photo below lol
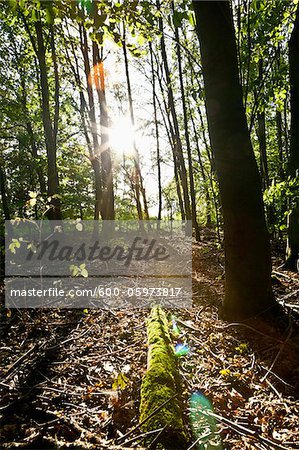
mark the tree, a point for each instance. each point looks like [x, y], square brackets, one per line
[187, 138]
[247, 249]
[293, 164]
[178, 155]
[50, 126]
[5, 203]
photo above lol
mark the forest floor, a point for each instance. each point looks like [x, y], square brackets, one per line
[71, 379]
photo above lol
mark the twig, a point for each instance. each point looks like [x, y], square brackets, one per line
[19, 360]
[278, 355]
[281, 274]
[285, 297]
[140, 436]
[147, 418]
[199, 439]
[244, 430]
[276, 376]
[156, 439]
[234, 324]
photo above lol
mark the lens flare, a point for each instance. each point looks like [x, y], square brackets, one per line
[181, 350]
[203, 425]
[121, 136]
[175, 329]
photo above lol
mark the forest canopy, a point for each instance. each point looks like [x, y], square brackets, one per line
[103, 116]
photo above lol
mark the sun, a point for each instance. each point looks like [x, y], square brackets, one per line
[122, 136]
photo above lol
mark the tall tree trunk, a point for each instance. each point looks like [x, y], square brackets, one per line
[280, 144]
[262, 139]
[5, 203]
[171, 140]
[210, 156]
[247, 249]
[187, 138]
[204, 178]
[95, 153]
[107, 204]
[157, 135]
[137, 177]
[279, 123]
[261, 135]
[37, 166]
[169, 132]
[177, 143]
[293, 164]
[49, 131]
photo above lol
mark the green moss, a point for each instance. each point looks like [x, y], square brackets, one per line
[161, 383]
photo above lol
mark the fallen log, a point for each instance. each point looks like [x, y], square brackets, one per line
[161, 405]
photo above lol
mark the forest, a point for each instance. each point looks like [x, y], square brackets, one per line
[173, 115]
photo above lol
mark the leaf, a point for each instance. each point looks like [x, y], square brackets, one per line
[191, 18]
[79, 226]
[12, 248]
[141, 39]
[32, 202]
[120, 381]
[49, 15]
[31, 247]
[178, 18]
[225, 372]
[84, 273]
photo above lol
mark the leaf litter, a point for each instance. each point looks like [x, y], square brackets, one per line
[71, 378]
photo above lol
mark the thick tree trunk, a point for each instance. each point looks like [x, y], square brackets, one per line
[293, 165]
[247, 250]
[49, 130]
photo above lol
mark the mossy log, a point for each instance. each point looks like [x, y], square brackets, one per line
[161, 386]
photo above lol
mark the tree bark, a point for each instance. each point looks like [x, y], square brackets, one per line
[293, 164]
[107, 204]
[171, 140]
[169, 133]
[157, 135]
[187, 137]
[177, 142]
[280, 144]
[247, 249]
[5, 203]
[49, 130]
[94, 153]
[137, 177]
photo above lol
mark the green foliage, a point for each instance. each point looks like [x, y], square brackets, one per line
[283, 196]
[15, 243]
[120, 382]
[79, 271]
